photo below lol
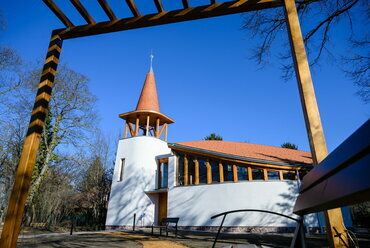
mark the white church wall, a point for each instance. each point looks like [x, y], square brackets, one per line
[139, 175]
[197, 203]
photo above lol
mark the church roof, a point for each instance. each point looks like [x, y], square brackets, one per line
[149, 98]
[251, 151]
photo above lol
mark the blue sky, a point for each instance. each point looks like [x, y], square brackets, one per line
[206, 81]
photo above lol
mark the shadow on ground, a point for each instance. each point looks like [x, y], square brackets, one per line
[84, 240]
[187, 238]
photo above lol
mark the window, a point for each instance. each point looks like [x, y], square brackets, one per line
[202, 171]
[257, 174]
[242, 173]
[180, 169]
[228, 173]
[191, 170]
[163, 173]
[289, 175]
[215, 171]
[273, 175]
[302, 174]
[120, 170]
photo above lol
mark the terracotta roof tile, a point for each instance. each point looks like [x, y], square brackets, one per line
[255, 151]
[148, 98]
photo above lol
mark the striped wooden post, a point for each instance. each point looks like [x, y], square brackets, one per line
[27, 160]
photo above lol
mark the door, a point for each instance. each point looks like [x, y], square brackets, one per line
[162, 206]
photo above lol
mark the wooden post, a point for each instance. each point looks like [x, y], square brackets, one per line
[126, 130]
[186, 170]
[209, 172]
[162, 129]
[333, 217]
[265, 177]
[147, 126]
[221, 172]
[235, 173]
[250, 174]
[281, 178]
[157, 128]
[13, 220]
[196, 171]
[131, 128]
[137, 126]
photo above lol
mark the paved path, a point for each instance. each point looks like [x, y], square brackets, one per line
[95, 240]
[148, 242]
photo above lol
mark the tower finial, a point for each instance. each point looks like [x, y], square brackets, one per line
[151, 61]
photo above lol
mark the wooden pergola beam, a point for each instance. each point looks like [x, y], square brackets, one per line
[133, 8]
[333, 217]
[83, 12]
[158, 5]
[200, 12]
[62, 17]
[185, 3]
[108, 11]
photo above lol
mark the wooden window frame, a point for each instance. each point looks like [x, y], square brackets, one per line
[159, 177]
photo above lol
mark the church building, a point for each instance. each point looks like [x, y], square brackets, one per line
[195, 180]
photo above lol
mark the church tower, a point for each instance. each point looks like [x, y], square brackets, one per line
[147, 119]
[140, 179]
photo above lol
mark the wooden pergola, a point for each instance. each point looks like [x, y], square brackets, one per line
[315, 133]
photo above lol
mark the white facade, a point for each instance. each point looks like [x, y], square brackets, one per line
[195, 205]
[128, 195]
[135, 178]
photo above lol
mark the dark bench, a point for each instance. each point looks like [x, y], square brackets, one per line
[165, 224]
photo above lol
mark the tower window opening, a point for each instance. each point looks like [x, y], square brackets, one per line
[121, 168]
[163, 173]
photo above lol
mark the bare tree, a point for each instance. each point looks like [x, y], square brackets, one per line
[358, 68]
[11, 142]
[321, 20]
[10, 65]
[71, 116]
[95, 183]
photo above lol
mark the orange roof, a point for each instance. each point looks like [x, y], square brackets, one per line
[254, 151]
[148, 98]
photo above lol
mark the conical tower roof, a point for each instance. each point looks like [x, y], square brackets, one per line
[148, 104]
[149, 98]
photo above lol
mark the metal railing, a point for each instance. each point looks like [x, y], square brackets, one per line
[299, 236]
